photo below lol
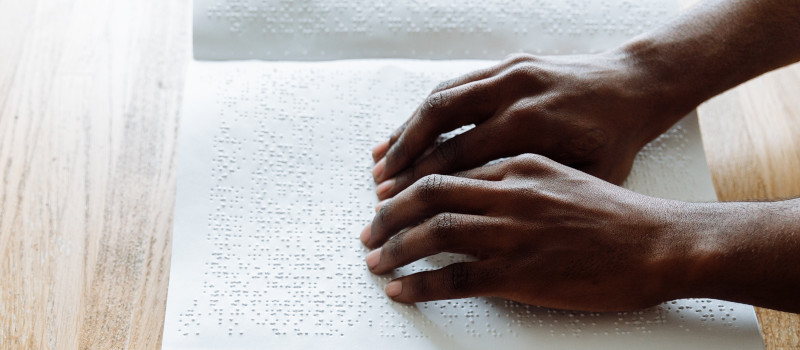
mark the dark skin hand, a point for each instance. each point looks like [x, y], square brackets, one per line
[583, 111]
[592, 112]
[548, 235]
[547, 229]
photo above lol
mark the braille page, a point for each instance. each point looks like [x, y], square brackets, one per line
[441, 29]
[274, 187]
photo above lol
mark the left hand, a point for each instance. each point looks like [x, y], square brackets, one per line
[544, 234]
[591, 112]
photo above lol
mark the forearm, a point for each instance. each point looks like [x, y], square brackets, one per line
[746, 252]
[713, 47]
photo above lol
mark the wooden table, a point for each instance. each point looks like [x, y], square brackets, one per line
[90, 92]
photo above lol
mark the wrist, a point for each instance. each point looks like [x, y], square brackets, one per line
[689, 250]
[659, 75]
[654, 84]
[704, 248]
[744, 252]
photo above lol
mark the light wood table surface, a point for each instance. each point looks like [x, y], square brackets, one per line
[90, 94]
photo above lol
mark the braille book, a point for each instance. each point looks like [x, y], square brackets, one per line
[281, 109]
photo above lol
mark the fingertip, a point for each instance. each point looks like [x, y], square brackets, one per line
[380, 205]
[366, 233]
[380, 150]
[384, 187]
[373, 259]
[378, 170]
[394, 288]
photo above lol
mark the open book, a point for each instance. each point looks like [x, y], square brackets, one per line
[274, 179]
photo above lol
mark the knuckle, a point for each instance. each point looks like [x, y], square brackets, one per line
[443, 86]
[521, 72]
[517, 58]
[528, 74]
[524, 110]
[521, 164]
[436, 102]
[528, 164]
[430, 186]
[443, 226]
[530, 159]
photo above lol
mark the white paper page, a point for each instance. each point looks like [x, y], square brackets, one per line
[301, 30]
[274, 187]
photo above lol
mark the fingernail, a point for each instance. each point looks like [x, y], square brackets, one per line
[394, 288]
[380, 150]
[377, 171]
[384, 187]
[380, 205]
[373, 258]
[366, 233]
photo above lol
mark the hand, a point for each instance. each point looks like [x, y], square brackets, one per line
[544, 234]
[592, 112]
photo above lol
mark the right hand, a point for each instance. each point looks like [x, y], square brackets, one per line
[543, 234]
[591, 112]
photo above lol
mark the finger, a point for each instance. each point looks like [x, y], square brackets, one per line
[470, 77]
[429, 196]
[485, 73]
[489, 172]
[528, 165]
[380, 150]
[472, 148]
[445, 232]
[441, 112]
[459, 280]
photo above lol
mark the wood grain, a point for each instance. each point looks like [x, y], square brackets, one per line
[89, 100]
[90, 94]
[751, 136]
